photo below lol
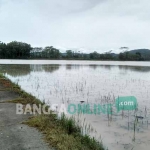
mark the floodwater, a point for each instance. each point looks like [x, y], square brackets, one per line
[92, 82]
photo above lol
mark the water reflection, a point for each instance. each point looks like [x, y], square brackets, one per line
[15, 70]
[108, 67]
[135, 68]
[68, 67]
[46, 68]
[73, 66]
[93, 66]
[23, 70]
[51, 68]
[122, 68]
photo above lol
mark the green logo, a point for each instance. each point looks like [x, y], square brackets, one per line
[126, 103]
[121, 103]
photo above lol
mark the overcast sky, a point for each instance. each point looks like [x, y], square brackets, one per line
[86, 25]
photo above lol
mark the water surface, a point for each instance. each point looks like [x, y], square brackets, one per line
[94, 82]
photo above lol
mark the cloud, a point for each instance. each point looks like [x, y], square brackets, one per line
[82, 24]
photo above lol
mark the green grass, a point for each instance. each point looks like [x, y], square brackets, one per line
[63, 134]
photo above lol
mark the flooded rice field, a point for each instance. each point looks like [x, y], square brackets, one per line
[92, 82]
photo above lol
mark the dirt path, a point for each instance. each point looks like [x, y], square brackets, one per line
[13, 134]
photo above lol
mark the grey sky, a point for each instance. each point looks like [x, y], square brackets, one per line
[86, 25]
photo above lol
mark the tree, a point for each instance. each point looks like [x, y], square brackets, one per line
[51, 52]
[3, 50]
[36, 52]
[138, 56]
[18, 50]
[121, 56]
[94, 55]
[69, 53]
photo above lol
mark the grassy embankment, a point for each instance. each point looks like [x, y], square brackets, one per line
[63, 134]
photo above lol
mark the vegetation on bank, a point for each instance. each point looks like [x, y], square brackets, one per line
[20, 50]
[62, 133]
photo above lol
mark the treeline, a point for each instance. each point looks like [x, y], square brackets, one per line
[130, 57]
[49, 52]
[124, 56]
[15, 50]
[20, 50]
